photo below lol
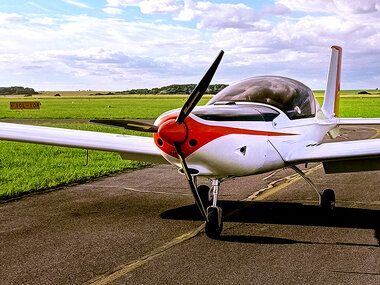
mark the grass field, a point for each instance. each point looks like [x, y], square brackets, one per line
[28, 168]
[148, 107]
[350, 93]
[84, 107]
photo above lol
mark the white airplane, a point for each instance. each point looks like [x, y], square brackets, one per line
[257, 125]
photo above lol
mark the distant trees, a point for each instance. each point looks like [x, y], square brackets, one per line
[170, 89]
[175, 89]
[14, 90]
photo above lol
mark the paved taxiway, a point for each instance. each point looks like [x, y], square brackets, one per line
[142, 228]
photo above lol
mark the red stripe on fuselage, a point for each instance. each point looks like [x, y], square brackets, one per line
[203, 134]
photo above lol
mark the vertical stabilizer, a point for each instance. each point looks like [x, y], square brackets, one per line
[330, 106]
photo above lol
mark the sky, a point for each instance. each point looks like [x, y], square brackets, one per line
[126, 44]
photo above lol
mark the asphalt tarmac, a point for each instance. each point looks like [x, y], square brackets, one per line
[141, 227]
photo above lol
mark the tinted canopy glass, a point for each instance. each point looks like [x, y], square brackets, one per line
[236, 113]
[289, 95]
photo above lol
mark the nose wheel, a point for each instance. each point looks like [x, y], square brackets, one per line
[214, 221]
[214, 225]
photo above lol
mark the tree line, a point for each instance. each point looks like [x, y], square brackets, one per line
[174, 89]
[17, 90]
[170, 89]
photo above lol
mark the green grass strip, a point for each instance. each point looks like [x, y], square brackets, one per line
[26, 168]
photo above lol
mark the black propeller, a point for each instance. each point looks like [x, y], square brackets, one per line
[199, 90]
[189, 105]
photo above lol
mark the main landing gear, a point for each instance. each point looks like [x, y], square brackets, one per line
[209, 198]
[326, 199]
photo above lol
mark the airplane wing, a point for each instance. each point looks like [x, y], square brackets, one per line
[129, 147]
[358, 121]
[340, 157]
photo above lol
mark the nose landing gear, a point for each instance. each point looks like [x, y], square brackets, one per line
[214, 225]
[214, 222]
[214, 217]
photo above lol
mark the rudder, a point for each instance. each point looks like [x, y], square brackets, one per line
[330, 106]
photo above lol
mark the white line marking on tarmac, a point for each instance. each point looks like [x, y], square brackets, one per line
[377, 135]
[279, 184]
[124, 269]
[139, 191]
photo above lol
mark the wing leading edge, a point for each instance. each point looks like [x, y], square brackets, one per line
[358, 121]
[340, 157]
[129, 147]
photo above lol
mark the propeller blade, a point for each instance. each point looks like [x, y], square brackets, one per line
[199, 90]
[129, 125]
[191, 182]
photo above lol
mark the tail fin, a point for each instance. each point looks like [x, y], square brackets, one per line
[330, 106]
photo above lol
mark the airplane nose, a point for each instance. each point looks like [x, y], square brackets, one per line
[172, 132]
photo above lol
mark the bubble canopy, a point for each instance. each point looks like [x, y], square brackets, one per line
[294, 98]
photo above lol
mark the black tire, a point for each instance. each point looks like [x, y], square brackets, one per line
[214, 225]
[328, 201]
[204, 192]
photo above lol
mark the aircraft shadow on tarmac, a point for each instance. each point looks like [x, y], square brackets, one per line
[283, 213]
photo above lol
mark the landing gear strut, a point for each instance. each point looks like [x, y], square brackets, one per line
[326, 199]
[214, 222]
[206, 201]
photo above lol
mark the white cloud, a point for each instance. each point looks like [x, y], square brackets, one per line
[112, 11]
[218, 16]
[226, 16]
[83, 52]
[188, 12]
[333, 6]
[9, 18]
[77, 3]
[151, 6]
[299, 47]
[147, 6]
[124, 55]
[42, 21]
[277, 9]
